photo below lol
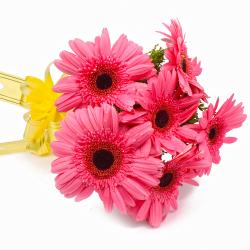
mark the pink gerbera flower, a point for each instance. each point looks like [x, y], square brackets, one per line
[95, 154]
[163, 197]
[165, 112]
[178, 59]
[214, 125]
[100, 73]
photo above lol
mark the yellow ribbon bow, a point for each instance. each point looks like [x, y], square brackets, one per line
[43, 120]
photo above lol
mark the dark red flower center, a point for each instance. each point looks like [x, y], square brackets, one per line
[137, 106]
[104, 81]
[215, 132]
[166, 179]
[184, 65]
[161, 118]
[212, 133]
[103, 159]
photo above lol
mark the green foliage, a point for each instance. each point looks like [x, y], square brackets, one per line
[202, 106]
[193, 119]
[157, 56]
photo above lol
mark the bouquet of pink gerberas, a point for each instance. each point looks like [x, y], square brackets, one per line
[128, 110]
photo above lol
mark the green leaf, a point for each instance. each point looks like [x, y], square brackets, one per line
[193, 119]
[202, 106]
[157, 56]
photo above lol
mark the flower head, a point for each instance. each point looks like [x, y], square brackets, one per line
[163, 197]
[187, 68]
[214, 126]
[165, 112]
[96, 154]
[99, 72]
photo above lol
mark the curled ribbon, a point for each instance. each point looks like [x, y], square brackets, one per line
[42, 120]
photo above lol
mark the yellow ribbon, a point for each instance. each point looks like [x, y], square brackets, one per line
[43, 120]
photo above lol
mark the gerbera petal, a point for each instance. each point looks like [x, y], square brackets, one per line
[73, 193]
[107, 199]
[187, 114]
[114, 120]
[65, 135]
[110, 118]
[173, 203]
[145, 178]
[67, 102]
[71, 186]
[216, 157]
[229, 140]
[82, 49]
[73, 125]
[190, 101]
[120, 45]
[126, 197]
[84, 194]
[156, 146]
[184, 84]
[105, 47]
[203, 123]
[67, 84]
[65, 177]
[66, 67]
[138, 71]
[187, 133]
[60, 165]
[145, 149]
[70, 58]
[125, 102]
[173, 144]
[191, 182]
[126, 117]
[144, 210]
[135, 189]
[148, 165]
[118, 200]
[61, 149]
[139, 134]
[93, 117]
[132, 51]
[138, 59]
[155, 216]
[167, 82]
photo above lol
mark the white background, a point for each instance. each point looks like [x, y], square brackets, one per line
[34, 215]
